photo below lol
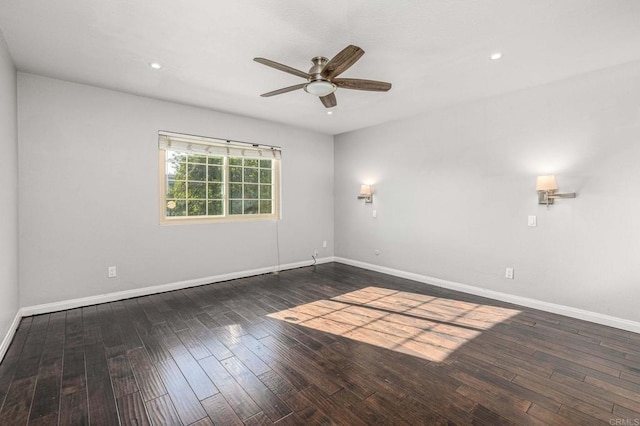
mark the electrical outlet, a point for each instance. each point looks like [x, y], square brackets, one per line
[316, 253]
[508, 273]
[324, 244]
[111, 272]
[377, 252]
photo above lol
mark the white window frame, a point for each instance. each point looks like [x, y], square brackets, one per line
[218, 148]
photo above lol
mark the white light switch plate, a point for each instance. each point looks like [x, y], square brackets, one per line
[508, 273]
[532, 221]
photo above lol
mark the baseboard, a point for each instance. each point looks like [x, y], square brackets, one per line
[145, 291]
[582, 314]
[9, 336]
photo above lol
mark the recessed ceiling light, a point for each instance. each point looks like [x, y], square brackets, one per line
[155, 65]
[329, 112]
[495, 56]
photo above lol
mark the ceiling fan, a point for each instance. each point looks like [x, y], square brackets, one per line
[321, 78]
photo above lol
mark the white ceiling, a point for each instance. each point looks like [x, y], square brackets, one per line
[434, 52]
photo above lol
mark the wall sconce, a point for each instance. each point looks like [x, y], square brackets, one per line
[365, 192]
[547, 187]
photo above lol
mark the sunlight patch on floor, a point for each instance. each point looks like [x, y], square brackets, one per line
[415, 324]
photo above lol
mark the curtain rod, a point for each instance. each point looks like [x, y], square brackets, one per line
[207, 138]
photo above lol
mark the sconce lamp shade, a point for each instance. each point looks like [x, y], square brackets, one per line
[546, 183]
[365, 190]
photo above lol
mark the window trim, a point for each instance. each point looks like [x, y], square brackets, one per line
[180, 220]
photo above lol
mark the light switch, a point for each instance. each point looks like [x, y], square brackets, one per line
[532, 221]
[374, 214]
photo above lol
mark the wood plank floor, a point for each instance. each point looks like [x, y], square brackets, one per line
[331, 344]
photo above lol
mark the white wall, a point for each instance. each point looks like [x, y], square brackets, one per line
[89, 194]
[453, 189]
[8, 192]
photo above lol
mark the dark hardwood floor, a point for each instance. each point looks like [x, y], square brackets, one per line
[326, 345]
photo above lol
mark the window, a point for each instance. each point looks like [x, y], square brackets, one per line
[208, 180]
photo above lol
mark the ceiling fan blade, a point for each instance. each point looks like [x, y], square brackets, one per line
[342, 61]
[359, 84]
[283, 90]
[282, 67]
[329, 100]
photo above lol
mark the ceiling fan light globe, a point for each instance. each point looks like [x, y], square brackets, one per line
[320, 88]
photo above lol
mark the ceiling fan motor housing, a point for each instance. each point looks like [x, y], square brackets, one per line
[318, 65]
[318, 85]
